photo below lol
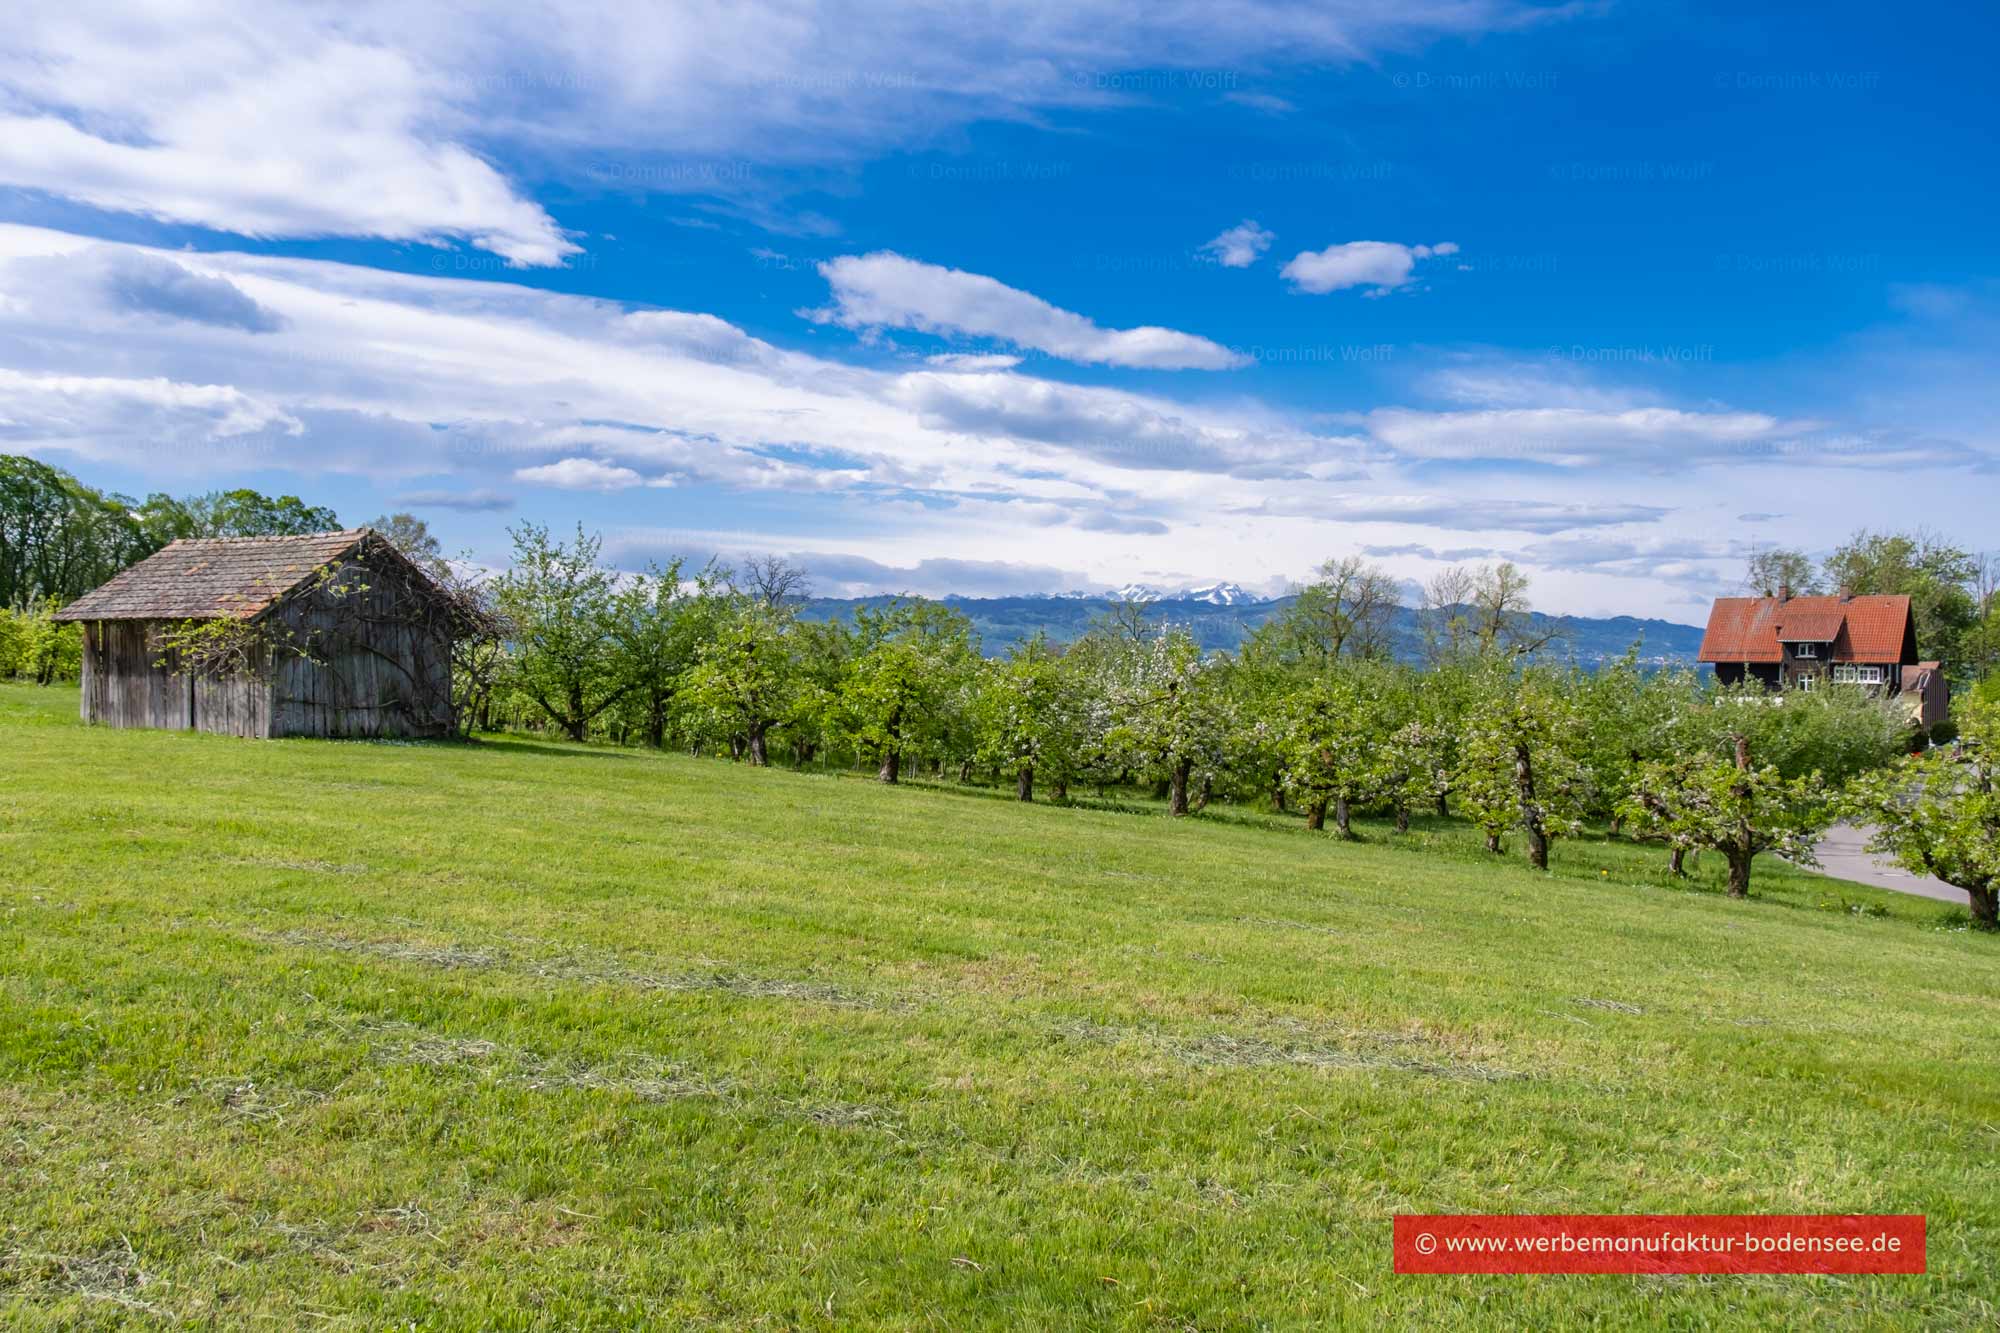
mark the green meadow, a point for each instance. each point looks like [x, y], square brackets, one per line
[517, 1034]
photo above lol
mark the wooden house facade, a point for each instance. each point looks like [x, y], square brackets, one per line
[331, 634]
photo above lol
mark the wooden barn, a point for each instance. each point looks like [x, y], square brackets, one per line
[328, 634]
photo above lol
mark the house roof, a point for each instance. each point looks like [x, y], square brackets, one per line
[209, 578]
[1794, 626]
[1875, 628]
[1918, 678]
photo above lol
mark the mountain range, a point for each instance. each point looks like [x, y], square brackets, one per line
[1221, 616]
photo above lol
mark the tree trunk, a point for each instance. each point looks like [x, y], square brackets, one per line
[1402, 819]
[1316, 815]
[758, 759]
[1024, 783]
[1677, 863]
[1739, 871]
[1443, 810]
[1531, 815]
[1984, 906]
[1177, 785]
[1061, 793]
[1617, 825]
[1277, 798]
[1739, 855]
[1341, 817]
[1207, 790]
[1493, 843]
[736, 748]
[892, 763]
[964, 770]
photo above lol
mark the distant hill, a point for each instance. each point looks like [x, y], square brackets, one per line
[1004, 621]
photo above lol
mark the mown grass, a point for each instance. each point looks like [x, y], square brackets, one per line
[522, 1035]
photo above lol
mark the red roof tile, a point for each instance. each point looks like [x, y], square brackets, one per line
[1861, 629]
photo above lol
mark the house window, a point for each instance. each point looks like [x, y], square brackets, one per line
[1850, 674]
[1804, 682]
[1805, 650]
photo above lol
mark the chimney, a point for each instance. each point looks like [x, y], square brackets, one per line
[1846, 594]
[1784, 592]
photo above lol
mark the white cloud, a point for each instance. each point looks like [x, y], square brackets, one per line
[1579, 437]
[97, 413]
[444, 388]
[885, 290]
[262, 123]
[381, 119]
[579, 474]
[1241, 245]
[1468, 513]
[1382, 266]
[973, 361]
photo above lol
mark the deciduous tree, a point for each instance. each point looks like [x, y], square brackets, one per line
[1938, 813]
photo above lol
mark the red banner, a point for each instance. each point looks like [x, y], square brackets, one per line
[1553, 1243]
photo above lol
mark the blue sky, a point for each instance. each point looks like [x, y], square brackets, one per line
[1015, 298]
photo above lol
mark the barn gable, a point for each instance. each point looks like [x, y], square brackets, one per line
[345, 637]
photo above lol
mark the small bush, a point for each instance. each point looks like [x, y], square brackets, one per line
[1944, 732]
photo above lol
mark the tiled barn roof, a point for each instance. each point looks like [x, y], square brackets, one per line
[1861, 629]
[206, 578]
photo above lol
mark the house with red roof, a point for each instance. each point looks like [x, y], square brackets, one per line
[1789, 642]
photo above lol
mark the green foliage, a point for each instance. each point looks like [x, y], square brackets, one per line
[561, 605]
[1938, 813]
[246, 513]
[59, 538]
[746, 677]
[1521, 758]
[1699, 801]
[1332, 734]
[413, 537]
[1346, 611]
[1031, 719]
[1172, 711]
[35, 646]
[906, 681]
[1936, 576]
[658, 626]
[1777, 568]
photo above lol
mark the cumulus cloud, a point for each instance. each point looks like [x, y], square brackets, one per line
[579, 474]
[1125, 429]
[1381, 266]
[405, 382]
[296, 126]
[115, 282]
[408, 108]
[885, 290]
[1241, 245]
[1579, 437]
[97, 412]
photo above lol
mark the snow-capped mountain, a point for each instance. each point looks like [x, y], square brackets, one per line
[1215, 594]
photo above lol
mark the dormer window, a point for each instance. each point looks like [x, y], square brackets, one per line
[1805, 650]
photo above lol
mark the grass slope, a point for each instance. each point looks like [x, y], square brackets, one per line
[520, 1035]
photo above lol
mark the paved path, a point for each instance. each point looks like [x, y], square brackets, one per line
[1841, 855]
